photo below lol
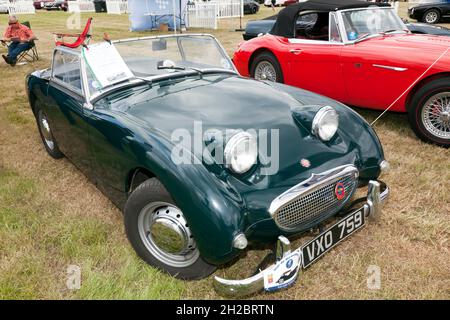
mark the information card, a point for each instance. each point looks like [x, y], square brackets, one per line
[106, 64]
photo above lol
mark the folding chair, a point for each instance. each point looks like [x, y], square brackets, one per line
[81, 38]
[31, 54]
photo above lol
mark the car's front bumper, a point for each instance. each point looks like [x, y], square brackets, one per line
[377, 195]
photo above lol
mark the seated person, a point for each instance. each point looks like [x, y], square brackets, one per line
[19, 36]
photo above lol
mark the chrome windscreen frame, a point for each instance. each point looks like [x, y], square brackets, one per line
[341, 24]
[90, 98]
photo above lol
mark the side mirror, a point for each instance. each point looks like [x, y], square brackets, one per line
[159, 45]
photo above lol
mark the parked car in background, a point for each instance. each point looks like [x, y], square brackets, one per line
[56, 5]
[358, 62]
[278, 3]
[190, 208]
[251, 6]
[40, 4]
[430, 12]
[289, 2]
[425, 28]
[4, 6]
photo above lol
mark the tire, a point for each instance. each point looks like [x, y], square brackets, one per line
[254, 10]
[268, 64]
[429, 119]
[148, 202]
[431, 16]
[45, 131]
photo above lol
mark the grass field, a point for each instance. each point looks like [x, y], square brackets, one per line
[51, 216]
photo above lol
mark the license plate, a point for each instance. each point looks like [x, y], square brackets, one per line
[324, 242]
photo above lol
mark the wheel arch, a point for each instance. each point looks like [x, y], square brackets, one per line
[256, 53]
[432, 8]
[137, 176]
[189, 186]
[32, 99]
[420, 84]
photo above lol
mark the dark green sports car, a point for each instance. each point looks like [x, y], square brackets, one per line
[203, 162]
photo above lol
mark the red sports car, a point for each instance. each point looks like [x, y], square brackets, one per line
[361, 54]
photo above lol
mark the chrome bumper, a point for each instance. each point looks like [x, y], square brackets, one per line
[376, 197]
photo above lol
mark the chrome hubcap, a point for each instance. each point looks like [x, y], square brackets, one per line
[45, 129]
[436, 115]
[265, 71]
[166, 234]
[431, 17]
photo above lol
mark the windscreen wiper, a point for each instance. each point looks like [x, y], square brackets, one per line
[163, 66]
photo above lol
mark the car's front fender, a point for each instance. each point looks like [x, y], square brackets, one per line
[213, 209]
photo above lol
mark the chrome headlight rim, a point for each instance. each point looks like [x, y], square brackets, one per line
[318, 121]
[231, 162]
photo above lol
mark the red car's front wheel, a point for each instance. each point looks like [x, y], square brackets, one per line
[265, 66]
[429, 112]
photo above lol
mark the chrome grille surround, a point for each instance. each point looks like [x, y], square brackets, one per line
[314, 198]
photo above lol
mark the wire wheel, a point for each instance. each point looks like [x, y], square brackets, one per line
[265, 71]
[436, 115]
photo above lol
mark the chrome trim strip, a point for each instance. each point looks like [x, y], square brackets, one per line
[316, 42]
[310, 185]
[399, 69]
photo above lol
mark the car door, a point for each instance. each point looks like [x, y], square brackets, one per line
[65, 108]
[369, 69]
[376, 70]
[315, 63]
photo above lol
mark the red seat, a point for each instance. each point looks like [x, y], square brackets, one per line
[81, 38]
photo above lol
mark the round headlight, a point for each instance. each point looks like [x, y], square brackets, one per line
[241, 152]
[325, 123]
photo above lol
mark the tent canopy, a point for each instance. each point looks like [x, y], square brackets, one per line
[149, 14]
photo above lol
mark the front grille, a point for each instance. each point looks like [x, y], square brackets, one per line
[316, 204]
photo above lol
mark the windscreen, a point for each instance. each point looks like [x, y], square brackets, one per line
[147, 57]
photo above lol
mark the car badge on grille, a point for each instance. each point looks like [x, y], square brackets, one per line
[339, 191]
[305, 163]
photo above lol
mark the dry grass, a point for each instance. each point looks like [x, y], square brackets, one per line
[51, 216]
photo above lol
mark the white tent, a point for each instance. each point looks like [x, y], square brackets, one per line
[149, 14]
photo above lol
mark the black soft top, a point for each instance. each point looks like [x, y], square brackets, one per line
[284, 26]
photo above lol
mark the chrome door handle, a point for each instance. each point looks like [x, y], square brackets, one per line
[295, 51]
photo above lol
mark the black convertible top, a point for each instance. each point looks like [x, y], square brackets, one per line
[284, 26]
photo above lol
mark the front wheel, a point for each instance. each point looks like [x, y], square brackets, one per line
[46, 134]
[160, 234]
[429, 112]
[265, 66]
[431, 16]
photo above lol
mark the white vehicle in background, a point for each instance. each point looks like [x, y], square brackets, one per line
[4, 6]
[268, 3]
